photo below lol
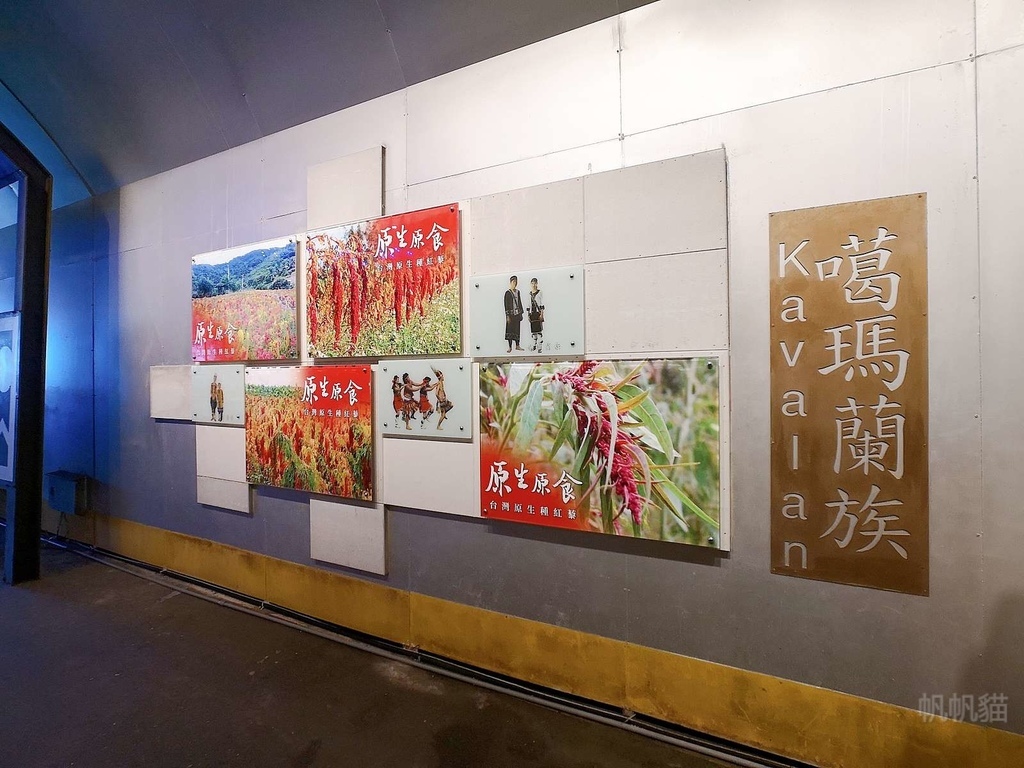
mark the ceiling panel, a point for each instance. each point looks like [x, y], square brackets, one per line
[127, 89]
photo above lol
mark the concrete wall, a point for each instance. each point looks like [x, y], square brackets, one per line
[815, 103]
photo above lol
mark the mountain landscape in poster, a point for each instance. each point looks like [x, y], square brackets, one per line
[243, 303]
[628, 447]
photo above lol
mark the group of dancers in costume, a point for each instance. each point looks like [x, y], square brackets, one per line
[411, 398]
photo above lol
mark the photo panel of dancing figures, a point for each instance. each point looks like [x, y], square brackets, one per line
[430, 399]
[243, 303]
[218, 394]
[310, 428]
[621, 447]
[529, 313]
[385, 287]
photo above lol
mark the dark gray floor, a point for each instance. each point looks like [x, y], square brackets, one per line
[102, 668]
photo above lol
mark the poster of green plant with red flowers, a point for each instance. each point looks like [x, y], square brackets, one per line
[624, 447]
[385, 287]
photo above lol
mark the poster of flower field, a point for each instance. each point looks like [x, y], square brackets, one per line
[243, 303]
[310, 428]
[627, 447]
[385, 287]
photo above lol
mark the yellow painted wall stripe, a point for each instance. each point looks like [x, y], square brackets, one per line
[794, 719]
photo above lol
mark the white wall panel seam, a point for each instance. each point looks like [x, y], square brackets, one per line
[510, 163]
[793, 97]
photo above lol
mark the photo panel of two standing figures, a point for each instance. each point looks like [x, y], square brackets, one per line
[529, 313]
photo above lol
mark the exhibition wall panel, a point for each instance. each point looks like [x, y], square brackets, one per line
[661, 304]
[764, 53]
[554, 167]
[287, 155]
[349, 188]
[1001, 179]
[549, 96]
[1000, 24]
[800, 153]
[893, 134]
[442, 477]
[220, 452]
[68, 442]
[223, 494]
[529, 228]
[348, 535]
[671, 206]
[170, 392]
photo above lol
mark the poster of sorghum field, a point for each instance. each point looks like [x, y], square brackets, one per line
[310, 428]
[625, 447]
[385, 287]
[243, 303]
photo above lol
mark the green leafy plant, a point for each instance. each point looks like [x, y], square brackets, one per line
[640, 436]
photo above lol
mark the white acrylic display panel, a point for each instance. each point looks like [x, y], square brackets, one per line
[676, 303]
[439, 477]
[536, 227]
[170, 392]
[220, 453]
[458, 386]
[224, 494]
[350, 188]
[563, 295]
[348, 535]
[232, 381]
[672, 206]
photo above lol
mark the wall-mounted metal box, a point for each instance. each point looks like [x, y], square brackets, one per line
[66, 492]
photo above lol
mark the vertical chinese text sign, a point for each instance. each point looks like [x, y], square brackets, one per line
[849, 393]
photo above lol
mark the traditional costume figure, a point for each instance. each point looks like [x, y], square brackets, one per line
[425, 408]
[213, 399]
[536, 316]
[443, 403]
[220, 402]
[408, 403]
[396, 391]
[513, 313]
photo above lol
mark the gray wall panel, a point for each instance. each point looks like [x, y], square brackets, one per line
[542, 574]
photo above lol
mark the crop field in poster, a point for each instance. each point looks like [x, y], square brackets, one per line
[628, 448]
[310, 429]
[385, 287]
[243, 304]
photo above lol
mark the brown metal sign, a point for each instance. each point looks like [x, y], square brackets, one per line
[849, 393]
